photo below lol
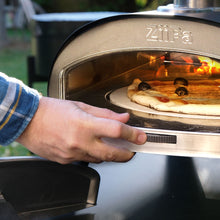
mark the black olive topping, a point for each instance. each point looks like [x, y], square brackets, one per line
[180, 81]
[144, 86]
[181, 91]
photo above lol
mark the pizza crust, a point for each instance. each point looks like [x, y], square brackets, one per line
[149, 98]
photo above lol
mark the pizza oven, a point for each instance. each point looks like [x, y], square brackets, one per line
[98, 62]
[176, 173]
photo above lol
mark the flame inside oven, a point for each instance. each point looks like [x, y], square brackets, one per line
[191, 66]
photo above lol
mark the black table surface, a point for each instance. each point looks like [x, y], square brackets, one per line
[157, 187]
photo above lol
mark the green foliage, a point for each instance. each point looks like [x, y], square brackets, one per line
[141, 3]
[152, 5]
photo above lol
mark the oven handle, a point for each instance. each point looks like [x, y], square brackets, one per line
[161, 138]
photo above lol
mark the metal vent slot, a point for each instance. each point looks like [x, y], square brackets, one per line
[161, 138]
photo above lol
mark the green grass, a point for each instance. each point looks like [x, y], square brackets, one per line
[13, 58]
[13, 63]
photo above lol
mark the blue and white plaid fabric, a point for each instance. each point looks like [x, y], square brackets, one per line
[18, 104]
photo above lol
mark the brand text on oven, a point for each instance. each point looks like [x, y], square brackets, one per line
[168, 33]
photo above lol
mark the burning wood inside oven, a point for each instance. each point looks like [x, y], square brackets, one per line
[173, 64]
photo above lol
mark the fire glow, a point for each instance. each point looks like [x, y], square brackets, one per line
[208, 66]
[174, 64]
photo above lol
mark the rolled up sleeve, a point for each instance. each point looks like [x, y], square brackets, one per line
[18, 104]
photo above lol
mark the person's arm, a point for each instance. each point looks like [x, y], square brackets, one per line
[18, 104]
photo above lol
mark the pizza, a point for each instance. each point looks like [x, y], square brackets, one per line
[179, 95]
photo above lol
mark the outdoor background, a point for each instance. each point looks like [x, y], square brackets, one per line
[16, 44]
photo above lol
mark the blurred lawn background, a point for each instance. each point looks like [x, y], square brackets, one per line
[13, 63]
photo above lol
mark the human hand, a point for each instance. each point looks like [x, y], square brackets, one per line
[66, 131]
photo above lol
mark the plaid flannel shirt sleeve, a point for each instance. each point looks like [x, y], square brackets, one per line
[18, 104]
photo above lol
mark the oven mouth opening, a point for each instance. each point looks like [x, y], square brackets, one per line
[116, 71]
